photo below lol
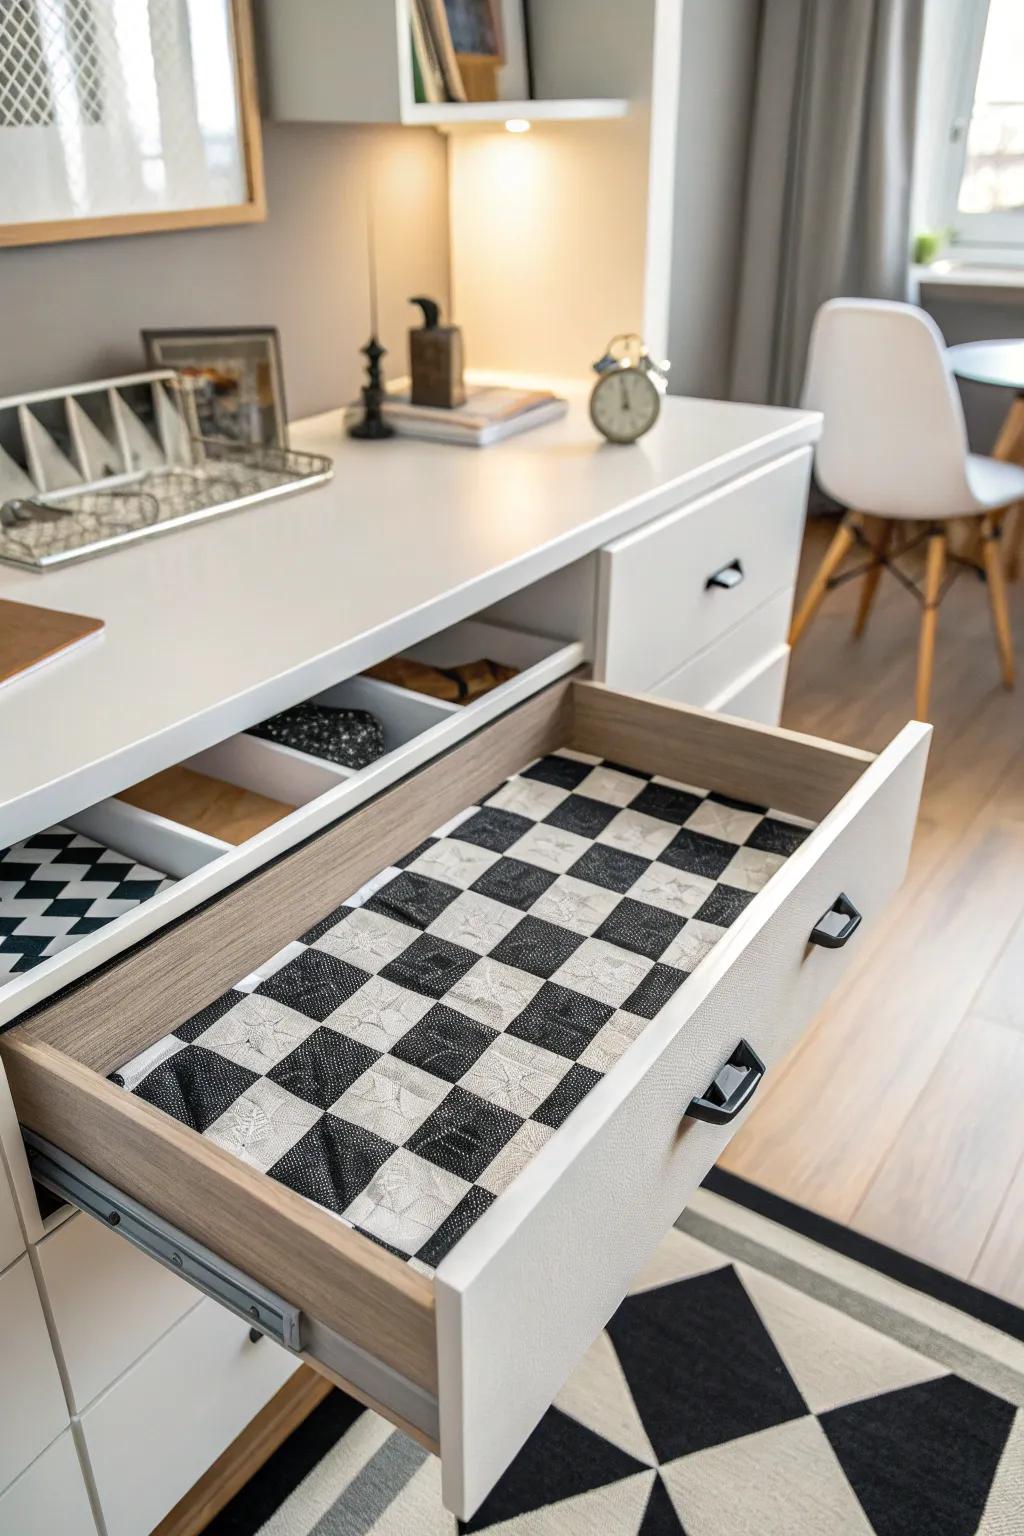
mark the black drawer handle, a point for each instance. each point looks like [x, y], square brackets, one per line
[838, 925]
[732, 1090]
[729, 576]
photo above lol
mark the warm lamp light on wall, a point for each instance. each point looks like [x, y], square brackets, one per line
[517, 125]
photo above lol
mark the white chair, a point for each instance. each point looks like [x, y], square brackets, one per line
[894, 447]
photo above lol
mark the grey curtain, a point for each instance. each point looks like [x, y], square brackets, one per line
[828, 177]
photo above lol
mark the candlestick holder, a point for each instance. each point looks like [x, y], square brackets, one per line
[371, 426]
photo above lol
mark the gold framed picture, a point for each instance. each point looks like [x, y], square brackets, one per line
[123, 119]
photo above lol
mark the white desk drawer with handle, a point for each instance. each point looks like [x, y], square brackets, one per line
[676, 585]
[626, 1006]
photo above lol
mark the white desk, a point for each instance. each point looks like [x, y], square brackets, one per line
[212, 628]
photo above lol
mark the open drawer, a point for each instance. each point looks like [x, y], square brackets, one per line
[468, 1354]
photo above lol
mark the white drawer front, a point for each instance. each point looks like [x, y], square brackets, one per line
[718, 670]
[108, 1301]
[658, 607]
[11, 1240]
[32, 1407]
[155, 1432]
[598, 1198]
[50, 1497]
[759, 693]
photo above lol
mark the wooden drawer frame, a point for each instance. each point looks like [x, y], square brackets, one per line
[430, 1339]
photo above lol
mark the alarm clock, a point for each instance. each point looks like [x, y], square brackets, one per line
[626, 400]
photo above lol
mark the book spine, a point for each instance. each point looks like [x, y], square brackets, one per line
[440, 32]
[424, 59]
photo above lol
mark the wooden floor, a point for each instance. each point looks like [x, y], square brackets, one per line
[901, 1113]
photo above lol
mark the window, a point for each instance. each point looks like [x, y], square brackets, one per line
[980, 201]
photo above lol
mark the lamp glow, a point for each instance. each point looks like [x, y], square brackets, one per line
[517, 125]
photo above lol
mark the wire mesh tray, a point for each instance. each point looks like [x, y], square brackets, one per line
[81, 492]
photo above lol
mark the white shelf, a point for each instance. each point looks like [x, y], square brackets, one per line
[464, 113]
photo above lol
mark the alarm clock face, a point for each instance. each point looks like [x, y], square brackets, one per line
[624, 405]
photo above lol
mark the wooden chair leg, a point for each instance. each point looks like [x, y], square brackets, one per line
[934, 571]
[873, 574]
[1009, 445]
[842, 541]
[1015, 544]
[997, 599]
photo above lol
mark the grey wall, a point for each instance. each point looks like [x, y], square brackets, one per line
[72, 312]
[715, 100]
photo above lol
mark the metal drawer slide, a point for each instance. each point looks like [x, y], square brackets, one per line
[215, 1277]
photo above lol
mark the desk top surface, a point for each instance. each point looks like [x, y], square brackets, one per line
[213, 627]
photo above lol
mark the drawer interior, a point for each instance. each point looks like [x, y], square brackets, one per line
[192, 816]
[298, 932]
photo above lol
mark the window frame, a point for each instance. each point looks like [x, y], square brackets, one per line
[983, 237]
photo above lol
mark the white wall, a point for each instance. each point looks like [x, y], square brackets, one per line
[715, 100]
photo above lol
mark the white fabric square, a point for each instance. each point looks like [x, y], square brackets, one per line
[674, 890]
[379, 1013]
[550, 848]
[515, 1155]
[750, 870]
[257, 1033]
[475, 921]
[635, 832]
[406, 1201]
[575, 904]
[493, 993]
[724, 821]
[613, 1040]
[367, 940]
[454, 862]
[263, 1124]
[611, 786]
[603, 971]
[689, 947]
[392, 1099]
[515, 1075]
[528, 797]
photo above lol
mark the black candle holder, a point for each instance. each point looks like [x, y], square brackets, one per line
[372, 427]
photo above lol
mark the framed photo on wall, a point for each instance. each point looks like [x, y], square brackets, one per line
[125, 118]
[236, 378]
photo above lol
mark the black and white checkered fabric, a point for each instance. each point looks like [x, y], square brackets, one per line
[58, 886]
[402, 1061]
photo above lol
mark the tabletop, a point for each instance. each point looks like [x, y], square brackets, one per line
[213, 627]
[990, 362]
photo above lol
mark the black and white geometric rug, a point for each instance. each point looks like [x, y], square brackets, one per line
[770, 1374]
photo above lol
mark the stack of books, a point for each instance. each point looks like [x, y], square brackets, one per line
[489, 414]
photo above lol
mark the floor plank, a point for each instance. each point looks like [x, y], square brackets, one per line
[967, 1119]
[1000, 1265]
[855, 1091]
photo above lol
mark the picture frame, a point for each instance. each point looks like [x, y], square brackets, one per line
[85, 150]
[238, 379]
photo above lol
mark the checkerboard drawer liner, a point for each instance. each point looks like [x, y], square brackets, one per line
[403, 1061]
[59, 886]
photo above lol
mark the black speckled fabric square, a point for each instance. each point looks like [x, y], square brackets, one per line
[404, 1060]
[352, 738]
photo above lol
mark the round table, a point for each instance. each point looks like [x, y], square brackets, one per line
[1000, 363]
